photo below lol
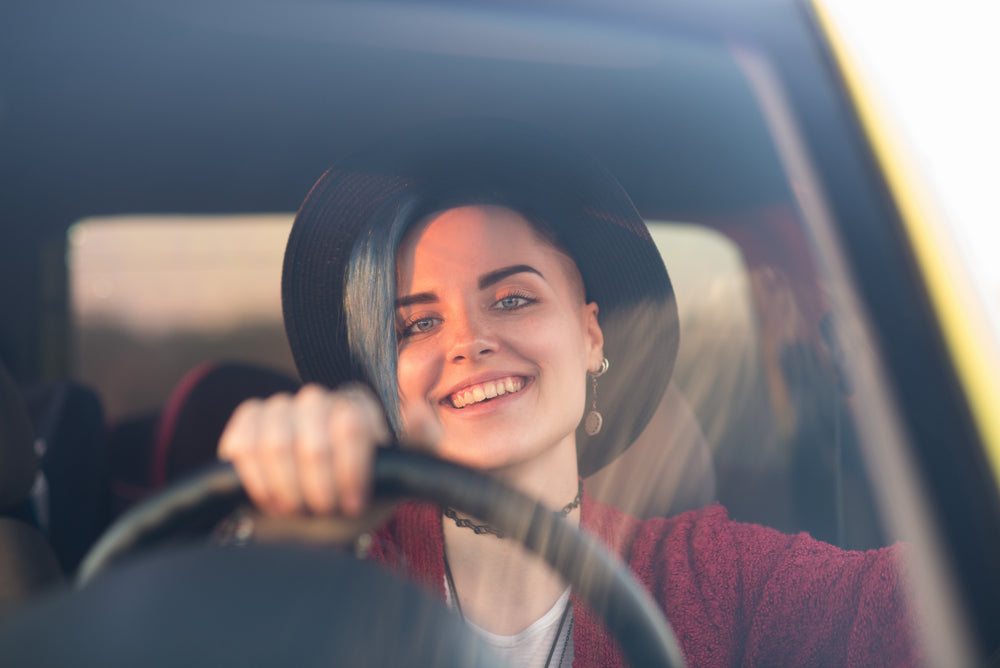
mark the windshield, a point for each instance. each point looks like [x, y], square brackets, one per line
[671, 298]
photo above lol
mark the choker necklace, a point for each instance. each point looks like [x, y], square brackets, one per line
[480, 529]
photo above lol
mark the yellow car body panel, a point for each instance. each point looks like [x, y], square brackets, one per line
[964, 328]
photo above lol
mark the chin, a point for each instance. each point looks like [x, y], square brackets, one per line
[494, 458]
[479, 461]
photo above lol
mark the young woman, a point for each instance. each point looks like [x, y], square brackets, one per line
[492, 286]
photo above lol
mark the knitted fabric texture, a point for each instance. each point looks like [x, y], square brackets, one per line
[735, 594]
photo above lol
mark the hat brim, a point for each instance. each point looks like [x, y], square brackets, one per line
[595, 221]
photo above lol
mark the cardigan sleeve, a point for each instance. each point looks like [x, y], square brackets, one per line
[743, 594]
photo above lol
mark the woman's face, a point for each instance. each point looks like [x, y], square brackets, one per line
[495, 336]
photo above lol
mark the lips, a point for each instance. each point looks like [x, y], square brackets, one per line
[480, 392]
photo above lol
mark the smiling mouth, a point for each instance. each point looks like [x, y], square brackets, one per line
[481, 392]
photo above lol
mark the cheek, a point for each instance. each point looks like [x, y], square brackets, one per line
[414, 374]
[405, 376]
[565, 347]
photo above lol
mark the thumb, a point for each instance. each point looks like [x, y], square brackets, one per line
[421, 428]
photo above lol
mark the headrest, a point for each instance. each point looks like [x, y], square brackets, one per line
[198, 409]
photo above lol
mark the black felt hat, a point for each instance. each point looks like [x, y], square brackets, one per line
[573, 194]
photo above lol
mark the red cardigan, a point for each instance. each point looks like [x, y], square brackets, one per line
[735, 594]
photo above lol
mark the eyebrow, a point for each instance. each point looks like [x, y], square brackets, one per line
[419, 298]
[485, 281]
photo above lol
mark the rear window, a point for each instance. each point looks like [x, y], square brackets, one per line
[154, 296]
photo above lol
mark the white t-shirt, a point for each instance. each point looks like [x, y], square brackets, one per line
[530, 647]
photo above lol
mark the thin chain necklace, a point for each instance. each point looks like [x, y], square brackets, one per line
[480, 529]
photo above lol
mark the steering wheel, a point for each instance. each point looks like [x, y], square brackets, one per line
[608, 588]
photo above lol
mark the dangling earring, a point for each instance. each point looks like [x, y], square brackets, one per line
[593, 422]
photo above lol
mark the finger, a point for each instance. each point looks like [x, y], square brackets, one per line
[314, 450]
[277, 456]
[375, 421]
[365, 399]
[351, 429]
[238, 445]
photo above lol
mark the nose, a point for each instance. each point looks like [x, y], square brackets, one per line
[471, 338]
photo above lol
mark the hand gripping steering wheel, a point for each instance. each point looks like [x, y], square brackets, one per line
[607, 587]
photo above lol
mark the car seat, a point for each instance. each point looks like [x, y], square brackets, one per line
[195, 415]
[150, 450]
[130, 452]
[27, 561]
[73, 508]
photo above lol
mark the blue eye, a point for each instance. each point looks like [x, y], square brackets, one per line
[420, 326]
[513, 302]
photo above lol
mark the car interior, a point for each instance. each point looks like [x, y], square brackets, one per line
[796, 401]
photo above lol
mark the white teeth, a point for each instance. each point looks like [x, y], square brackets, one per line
[488, 390]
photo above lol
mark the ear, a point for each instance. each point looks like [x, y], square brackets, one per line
[593, 336]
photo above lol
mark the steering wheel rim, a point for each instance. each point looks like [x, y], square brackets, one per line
[608, 588]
